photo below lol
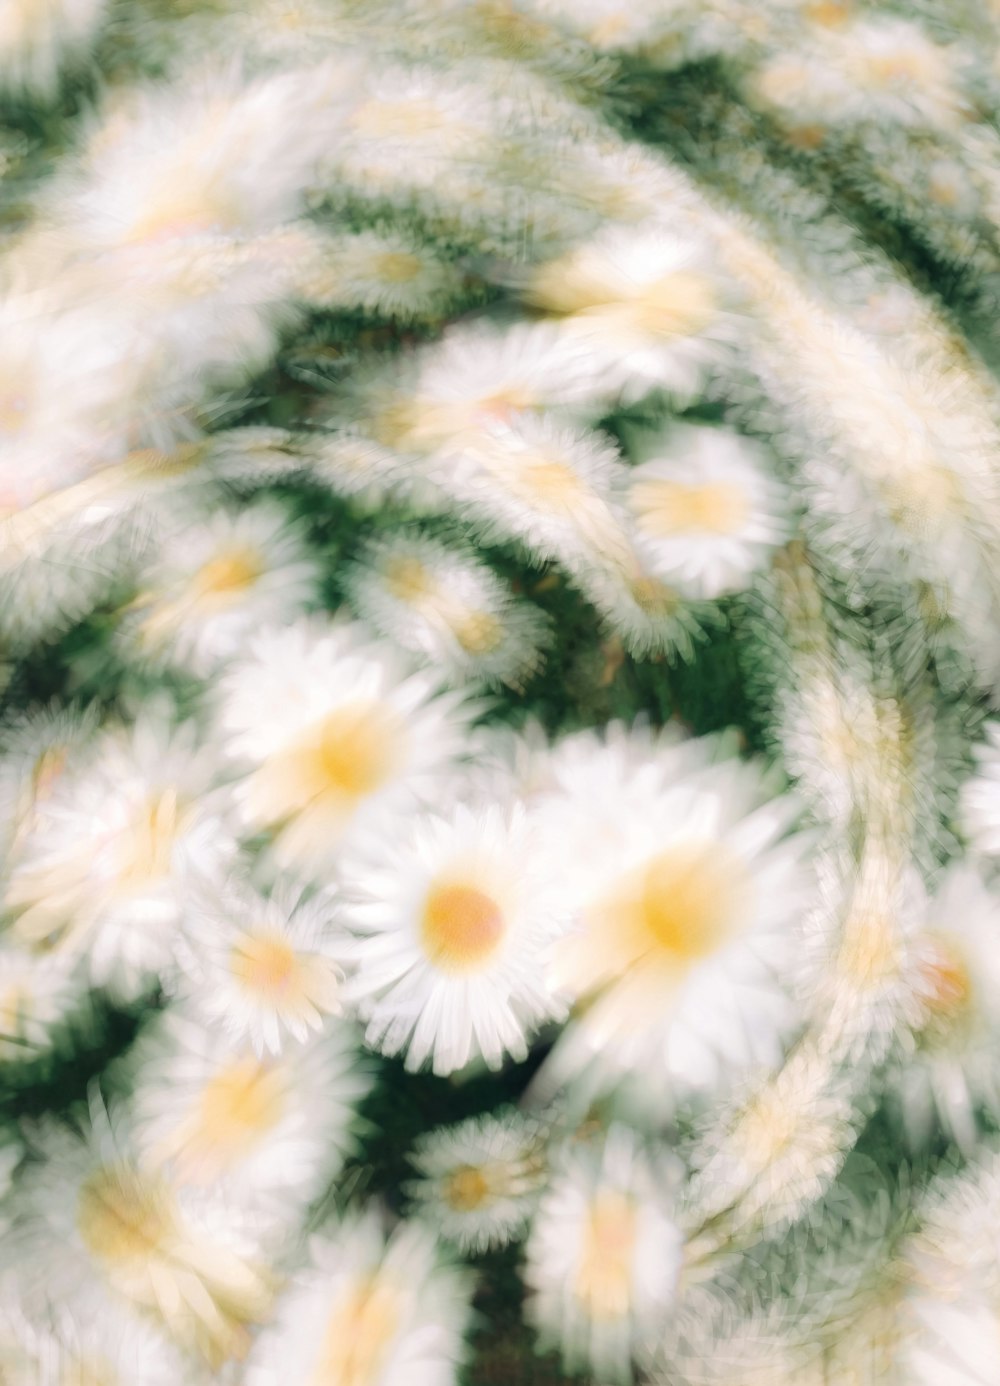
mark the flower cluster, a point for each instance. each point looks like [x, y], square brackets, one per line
[499, 659]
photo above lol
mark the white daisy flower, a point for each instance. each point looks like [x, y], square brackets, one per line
[705, 510]
[775, 1149]
[384, 273]
[333, 734]
[215, 580]
[368, 1312]
[36, 749]
[981, 796]
[265, 1132]
[604, 1258]
[408, 129]
[474, 383]
[544, 483]
[453, 924]
[263, 968]
[857, 949]
[101, 871]
[355, 467]
[651, 307]
[36, 40]
[94, 1229]
[38, 994]
[684, 890]
[221, 155]
[956, 982]
[650, 616]
[441, 603]
[480, 1181]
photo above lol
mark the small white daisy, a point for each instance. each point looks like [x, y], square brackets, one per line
[684, 886]
[950, 1070]
[654, 309]
[94, 1229]
[604, 1257]
[37, 996]
[453, 924]
[262, 967]
[443, 604]
[266, 1132]
[775, 1149]
[101, 871]
[480, 1181]
[36, 749]
[475, 382]
[333, 733]
[545, 483]
[368, 1312]
[215, 580]
[383, 273]
[409, 129]
[857, 948]
[705, 509]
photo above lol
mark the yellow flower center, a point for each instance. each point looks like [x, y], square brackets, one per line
[466, 1189]
[946, 987]
[354, 750]
[242, 1103]
[123, 1217]
[609, 30]
[461, 927]
[654, 597]
[46, 770]
[265, 964]
[904, 66]
[14, 1002]
[870, 950]
[478, 632]
[397, 267]
[690, 900]
[604, 1274]
[670, 507]
[228, 575]
[765, 1129]
[679, 303]
[359, 1337]
[147, 849]
[409, 580]
[397, 119]
[178, 211]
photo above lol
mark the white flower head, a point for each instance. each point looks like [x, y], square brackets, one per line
[444, 605]
[480, 1181]
[102, 871]
[453, 923]
[543, 482]
[332, 733]
[654, 308]
[217, 579]
[265, 1132]
[685, 886]
[604, 1257]
[368, 1310]
[262, 967]
[96, 1230]
[706, 512]
[949, 1071]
